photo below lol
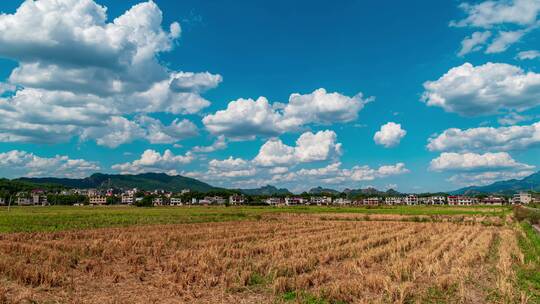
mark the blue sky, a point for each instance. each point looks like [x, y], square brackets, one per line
[451, 88]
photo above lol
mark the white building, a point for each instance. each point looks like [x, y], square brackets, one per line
[522, 198]
[157, 201]
[461, 200]
[320, 200]
[237, 199]
[274, 201]
[394, 200]
[294, 201]
[127, 199]
[342, 201]
[411, 199]
[437, 200]
[371, 201]
[493, 200]
[97, 200]
[2, 201]
[176, 201]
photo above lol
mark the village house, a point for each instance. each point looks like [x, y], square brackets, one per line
[371, 201]
[2, 200]
[176, 201]
[274, 201]
[127, 199]
[320, 200]
[522, 198]
[493, 200]
[394, 200]
[97, 200]
[424, 200]
[459, 200]
[342, 201]
[437, 200]
[411, 199]
[157, 201]
[237, 199]
[294, 201]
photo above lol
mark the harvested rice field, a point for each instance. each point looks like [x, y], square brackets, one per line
[278, 258]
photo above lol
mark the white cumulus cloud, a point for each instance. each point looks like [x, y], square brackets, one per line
[485, 89]
[18, 163]
[309, 147]
[497, 15]
[450, 161]
[153, 161]
[389, 135]
[248, 118]
[487, 139]
[76, 70]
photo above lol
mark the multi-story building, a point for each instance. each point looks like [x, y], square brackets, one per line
[493, 200]
[157, 201]
[176, 201]
[320, 200]
[293, 201]
[97, 200]
[411, 199]
[459, 200]
[371, 201]
[127, 199]
[522, 198]
[274, 201]
[394, 200]
[39, 199]
[342, 201]
[237, 199]
[437, 200]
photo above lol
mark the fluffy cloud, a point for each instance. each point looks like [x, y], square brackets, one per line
[219, 144]
[153, 161]
[78, 71]
[485, 89]
[120, 130]
[497, 15]
[230, 167]
[504, 40]
[486, 178]
[244, 118]
[488, 14]
[309, 148]
[389, 135]
[474, 42]
[476, 162]
[525, 55]
[247, 118]
[334, 174]
[487, 139]
[17, 163]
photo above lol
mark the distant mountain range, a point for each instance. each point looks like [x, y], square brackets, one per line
[321, 190]
[266, 190]
[370, 191]
[508, 187]
[145, 181]
[152, 181]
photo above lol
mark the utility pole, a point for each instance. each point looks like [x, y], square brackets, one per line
[9, 203]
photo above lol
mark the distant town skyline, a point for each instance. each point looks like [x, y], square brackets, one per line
[417, 96]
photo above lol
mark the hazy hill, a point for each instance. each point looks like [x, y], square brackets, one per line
[145, 181]
[266, 190]
[321, 190]
[531, 182]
